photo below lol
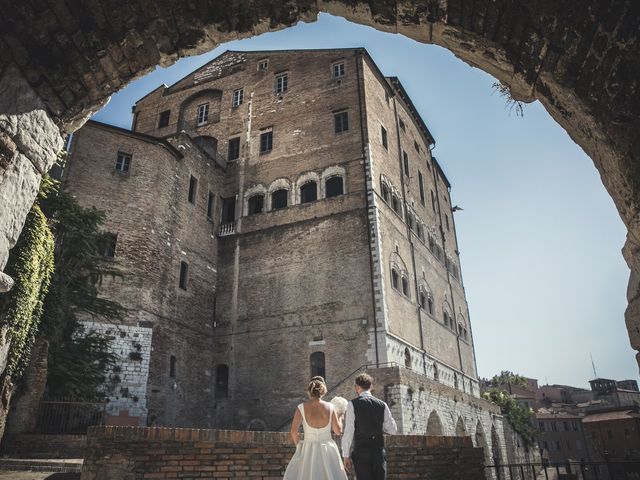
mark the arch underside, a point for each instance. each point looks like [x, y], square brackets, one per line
[578, 58]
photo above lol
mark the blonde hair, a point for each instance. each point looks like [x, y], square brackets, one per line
[317, 388]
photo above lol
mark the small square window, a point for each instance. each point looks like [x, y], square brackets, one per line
[203, 114]
[266, 141]
[123, 162]
[263, 65]
[338, 70]
[163, 120]
[383, 133]
[234, 149]
[282, 83]
[238, 97]
[341, 122]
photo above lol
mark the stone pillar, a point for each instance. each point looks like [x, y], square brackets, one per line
[29, 143]
[26, 399]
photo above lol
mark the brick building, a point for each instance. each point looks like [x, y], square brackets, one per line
[276, 215]
[614, 432]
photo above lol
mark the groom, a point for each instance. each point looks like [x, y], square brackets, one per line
[366, 419]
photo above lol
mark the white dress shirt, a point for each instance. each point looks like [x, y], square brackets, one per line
[389, 426]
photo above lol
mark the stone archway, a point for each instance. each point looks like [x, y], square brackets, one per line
[461, 430]
[579, 58]
[434, 425]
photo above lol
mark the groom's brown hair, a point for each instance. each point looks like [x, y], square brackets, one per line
[364, 381]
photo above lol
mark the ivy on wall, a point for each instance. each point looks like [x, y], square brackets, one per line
[31, 265]
[520, 418]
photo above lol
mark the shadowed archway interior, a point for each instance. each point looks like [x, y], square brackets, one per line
[61, 60]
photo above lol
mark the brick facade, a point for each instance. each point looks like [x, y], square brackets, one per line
[165, 453]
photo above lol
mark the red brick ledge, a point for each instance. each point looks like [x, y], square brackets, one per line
[144, 434]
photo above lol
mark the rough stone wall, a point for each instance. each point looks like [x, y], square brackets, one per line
[157, 228]
[29, 445]
[141, 453]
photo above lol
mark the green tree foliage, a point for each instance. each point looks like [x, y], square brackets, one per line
[78, 361]
[31, 265]
[520, 418]
[506, 378]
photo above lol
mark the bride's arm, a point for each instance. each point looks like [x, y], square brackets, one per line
[336, 423]
[295, 426]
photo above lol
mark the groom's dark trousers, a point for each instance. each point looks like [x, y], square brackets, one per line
[369, 458]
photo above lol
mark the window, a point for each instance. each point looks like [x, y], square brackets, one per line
[430, 305]
[263, 65]
[421, 186]
[308, 192]
[210, 200]
[627, 433]
[386, 96]
[222, 381]
[445, 317]
[405, 161]
[341, 122]
[184, 275]
[234, 149]
[163, 119]
[405, 286]
[569, 445]
[403, 127]
[172, 366]
[423, 300]
[395, 203]
[228, 210]
[109, 245]
[266, 141]
[554, 427]
[407, 358]
[433, 201]
[338, 70]
[193, 189]
[203, 114]
[256, 204]
[395, 278]
[238, 97]
[334, 187]
[282, 83]
[416, 146]
[383, 133]
[446, 221]
[385, 193]
[316, 361]
[279, 199]
[578, 445]
[565, 425]
[123, 162]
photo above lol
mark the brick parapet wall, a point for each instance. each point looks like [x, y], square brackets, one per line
[134, 453]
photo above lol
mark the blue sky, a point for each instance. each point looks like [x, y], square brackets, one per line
[539, 236]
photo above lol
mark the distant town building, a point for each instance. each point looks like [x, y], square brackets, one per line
[561, 437]
[614, 432]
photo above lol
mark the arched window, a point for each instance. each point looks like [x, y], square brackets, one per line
[460, 329]
[445, 317]
[222, 381]
[395, 278]
[386, 195]
[256, 204]
[407, 358]
[308, 192]
[317, 365]
[334, 187]
[405, 286]
[423, 300]
[279, 199]
[430, 305]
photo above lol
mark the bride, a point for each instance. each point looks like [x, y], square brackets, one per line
[317, 456]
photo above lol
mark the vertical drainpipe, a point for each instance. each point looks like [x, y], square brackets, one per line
[453, 303]
[409, 233]
[369, 205]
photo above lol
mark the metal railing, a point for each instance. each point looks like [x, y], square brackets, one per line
[605, 470]
[69, 417]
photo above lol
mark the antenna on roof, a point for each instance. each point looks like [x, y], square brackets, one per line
[593, 365]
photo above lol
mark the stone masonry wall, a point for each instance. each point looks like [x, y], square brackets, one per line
[166, 453]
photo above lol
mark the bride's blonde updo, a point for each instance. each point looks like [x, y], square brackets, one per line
[317, 388]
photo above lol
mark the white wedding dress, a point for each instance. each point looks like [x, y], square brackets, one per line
[317, 456]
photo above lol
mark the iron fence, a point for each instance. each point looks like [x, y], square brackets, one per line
[69, 417]
[605, 470]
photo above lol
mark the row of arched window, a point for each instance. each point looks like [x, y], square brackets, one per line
[392, 197]
[281, 193]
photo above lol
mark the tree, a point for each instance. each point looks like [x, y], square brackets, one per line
[520, 418]
[78, 361]
[506, 378]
